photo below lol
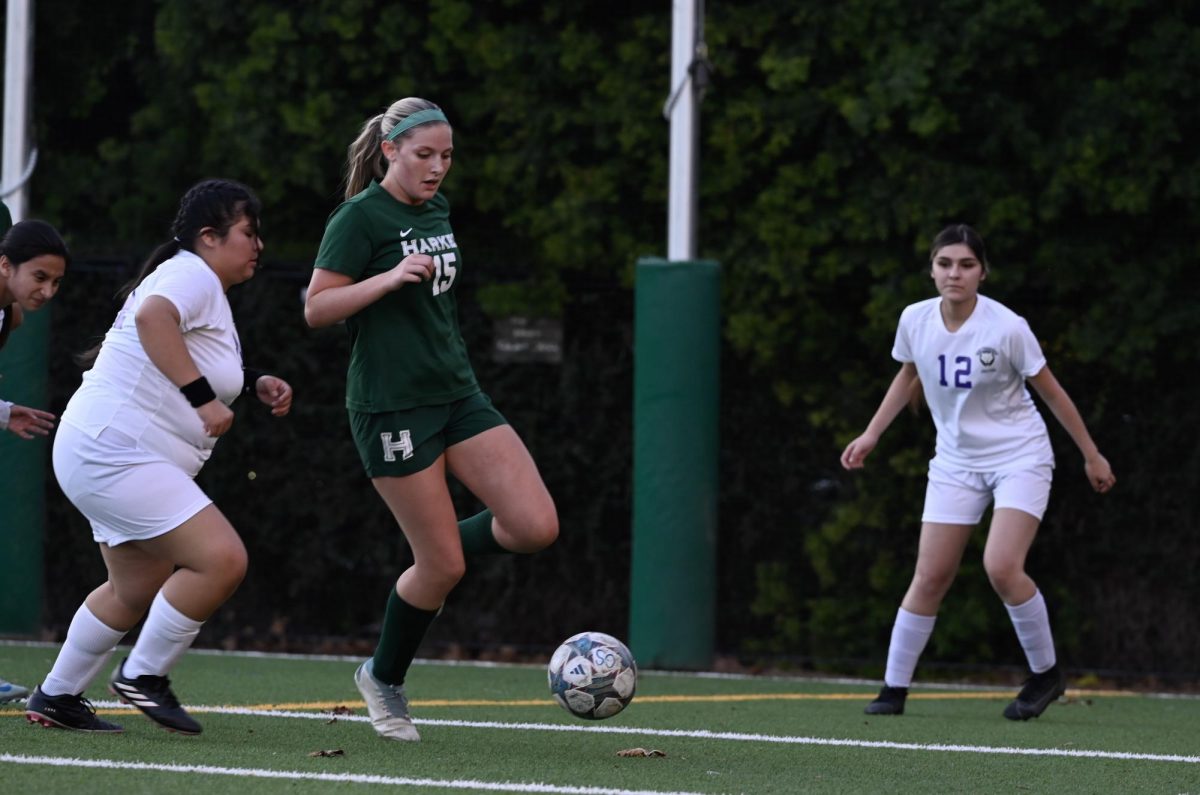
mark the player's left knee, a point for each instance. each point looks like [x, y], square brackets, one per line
[538, 531]
[1005, 577]
[546, 532]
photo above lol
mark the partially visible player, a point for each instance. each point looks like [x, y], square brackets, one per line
[973, 358]
[33, 260]
[388, 265]
[132, 439]
[10, 692]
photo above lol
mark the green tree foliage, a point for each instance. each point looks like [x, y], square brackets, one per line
[853, 132]
[837, 138]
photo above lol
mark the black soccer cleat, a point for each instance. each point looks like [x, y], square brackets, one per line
[1036, 694]
[152, 695]
[890, 701]
[66, 712]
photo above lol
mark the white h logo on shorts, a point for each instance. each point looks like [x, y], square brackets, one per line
[404, 444]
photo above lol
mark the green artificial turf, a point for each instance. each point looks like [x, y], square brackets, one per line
[493, 728]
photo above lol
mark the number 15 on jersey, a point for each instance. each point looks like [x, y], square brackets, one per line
[444, 271]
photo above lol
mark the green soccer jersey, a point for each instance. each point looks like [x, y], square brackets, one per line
[406, 349]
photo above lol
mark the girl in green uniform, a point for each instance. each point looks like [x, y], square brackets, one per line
[387, 266]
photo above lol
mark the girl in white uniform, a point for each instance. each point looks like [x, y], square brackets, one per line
[132, 439]
[973, 357]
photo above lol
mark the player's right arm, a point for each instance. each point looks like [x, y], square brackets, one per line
[893, 402]
[332, 297]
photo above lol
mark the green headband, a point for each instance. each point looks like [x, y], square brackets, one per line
[413, 119]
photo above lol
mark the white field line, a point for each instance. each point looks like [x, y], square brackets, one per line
[701, 734]
[352, 778]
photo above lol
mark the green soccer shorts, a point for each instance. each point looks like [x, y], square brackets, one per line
[399, 443]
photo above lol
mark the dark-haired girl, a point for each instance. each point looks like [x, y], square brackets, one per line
[132, 439]
[973, 358]
[33, 260]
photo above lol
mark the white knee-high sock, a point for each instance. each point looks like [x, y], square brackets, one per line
[166, 635]
[88, 646]
[910, 633]
[1032, 623]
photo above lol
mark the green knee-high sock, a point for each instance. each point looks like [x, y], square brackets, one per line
[404, 626]
[477, 536]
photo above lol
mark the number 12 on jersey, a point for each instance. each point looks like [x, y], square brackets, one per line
[961, 372]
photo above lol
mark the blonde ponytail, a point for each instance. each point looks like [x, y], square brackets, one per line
[364, 160]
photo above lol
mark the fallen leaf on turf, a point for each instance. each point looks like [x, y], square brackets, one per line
[341, 710]
[641, 752]
[331, 752]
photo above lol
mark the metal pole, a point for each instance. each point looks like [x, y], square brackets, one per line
[682, 112]
[18, 70]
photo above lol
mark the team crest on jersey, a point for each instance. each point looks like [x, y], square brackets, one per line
[987, 358]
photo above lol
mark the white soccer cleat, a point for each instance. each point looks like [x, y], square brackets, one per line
[10, 692]
[387, 706]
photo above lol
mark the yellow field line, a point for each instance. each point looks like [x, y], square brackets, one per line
[684, 699]
[728, 698]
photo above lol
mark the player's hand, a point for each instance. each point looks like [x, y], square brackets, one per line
[857, 451]
[27, 423]
[216, 416]
[412, 269]
[1099, 473]
[274, 392]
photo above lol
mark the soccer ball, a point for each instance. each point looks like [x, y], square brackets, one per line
[592, 675]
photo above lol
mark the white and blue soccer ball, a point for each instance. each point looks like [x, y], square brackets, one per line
[592, 675]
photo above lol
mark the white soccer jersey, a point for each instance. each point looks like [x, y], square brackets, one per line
[974, 383]
[125, 391]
